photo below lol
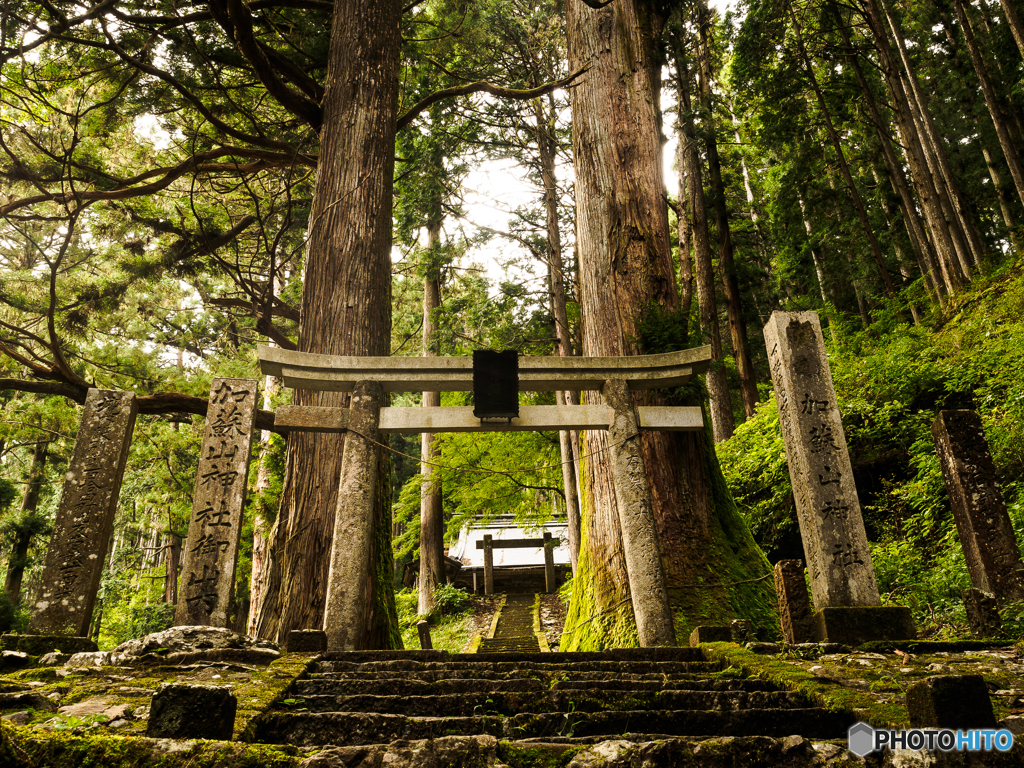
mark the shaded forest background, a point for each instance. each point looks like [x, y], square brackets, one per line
[157, 165]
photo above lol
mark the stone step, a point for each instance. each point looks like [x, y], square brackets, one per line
[685, 653]
[405, 686]
[498, 665]
[306, 729]
[547, 678]
[526, 702]
[510, 645]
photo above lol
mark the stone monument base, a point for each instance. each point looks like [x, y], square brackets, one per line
[853, 625]
[38, 645]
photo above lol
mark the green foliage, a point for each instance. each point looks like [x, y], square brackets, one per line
[449, 627]
[449, 599]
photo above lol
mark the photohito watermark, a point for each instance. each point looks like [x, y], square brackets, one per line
[863, 739]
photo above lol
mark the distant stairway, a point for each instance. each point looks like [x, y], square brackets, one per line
[566, 699]
[514, 633]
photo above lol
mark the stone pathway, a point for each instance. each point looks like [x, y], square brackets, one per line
[514, 633]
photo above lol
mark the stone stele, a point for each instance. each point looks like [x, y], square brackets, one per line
[794, 603]
[835, 543]
[85, 515]
[990, 548]
[211, 549]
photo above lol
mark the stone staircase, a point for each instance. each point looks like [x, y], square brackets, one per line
[559, 700]
[514, 632]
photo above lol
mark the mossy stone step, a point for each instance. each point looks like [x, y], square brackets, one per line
[308, 729]
[401, 686]
[685, 653]
[510, 645]
[668, 683]
[502, 666]
[522, 702]
[561, 675]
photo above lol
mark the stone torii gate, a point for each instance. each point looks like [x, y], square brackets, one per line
[491, 377]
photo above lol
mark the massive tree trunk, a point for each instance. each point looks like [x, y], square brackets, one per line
[718, 390]
[626, 270]
[346, 310]
[568, 440]
[29, 503]
[431, 506]
[730, 285]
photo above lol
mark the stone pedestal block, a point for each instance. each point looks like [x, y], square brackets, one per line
[831, 526]
[214, 532]
[742, 630]
[794, 602]
[861, 624]
[982, 612]
[192, 712]
[85, 516]
[306, 641]
[950, 701]
[710, 634]
[990, 548]
[39, 645]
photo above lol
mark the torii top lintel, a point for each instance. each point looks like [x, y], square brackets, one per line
[335, 373]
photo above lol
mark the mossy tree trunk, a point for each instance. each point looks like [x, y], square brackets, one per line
[626, 273]
[346, 310]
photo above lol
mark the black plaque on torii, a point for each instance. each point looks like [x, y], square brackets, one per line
[495, 384]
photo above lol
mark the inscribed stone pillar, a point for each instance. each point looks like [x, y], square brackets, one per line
[990, 548]
[350, 573]
[85, 515]
[214, 531]
[835, 543]
[794, 604]
[640, 546]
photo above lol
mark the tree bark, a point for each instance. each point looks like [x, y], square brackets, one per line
[29, 503]
[625, 268]
[346, 310]
[1013, 21]
[819, 266]
[171, 574]
[730, 286]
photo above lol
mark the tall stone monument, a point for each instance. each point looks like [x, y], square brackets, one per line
[990, 548]
[835, 543]
[214, 531]
[85, 515]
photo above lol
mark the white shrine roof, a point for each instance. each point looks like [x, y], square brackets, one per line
[504, 527]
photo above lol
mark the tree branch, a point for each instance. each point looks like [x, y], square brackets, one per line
[485, 87]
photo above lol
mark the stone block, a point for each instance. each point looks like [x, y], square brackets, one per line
[40, 645]
[192, 712]
[982, 612]
[710, 634]
[950, 701]
[306, 641]
[12, 660]
[742, 630]
[794, 602]
[861, 624]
